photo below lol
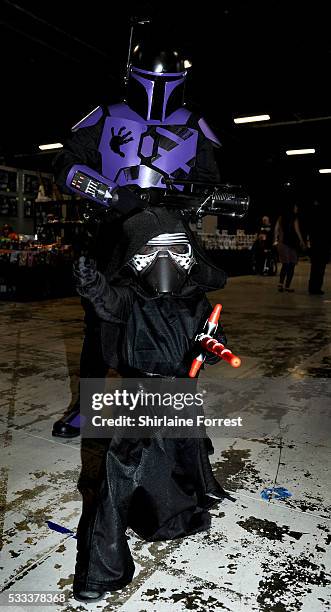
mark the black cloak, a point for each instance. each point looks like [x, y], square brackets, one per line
[160, 487]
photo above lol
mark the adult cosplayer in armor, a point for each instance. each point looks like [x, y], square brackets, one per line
[142, 141]
[128, 149]
[151, 303]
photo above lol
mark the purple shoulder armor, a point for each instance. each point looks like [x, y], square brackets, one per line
[91, 119]
[208, 132]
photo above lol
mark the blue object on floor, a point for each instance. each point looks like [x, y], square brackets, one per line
[78, 421]
[275, 492]
[60, 529]
[75, 421]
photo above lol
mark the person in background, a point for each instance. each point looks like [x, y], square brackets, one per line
[265, 230]
[288, 239]
[262, 246]
[319, 235]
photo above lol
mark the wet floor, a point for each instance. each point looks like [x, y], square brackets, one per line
[269, 549]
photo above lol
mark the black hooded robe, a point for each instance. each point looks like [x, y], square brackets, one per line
[160, 487]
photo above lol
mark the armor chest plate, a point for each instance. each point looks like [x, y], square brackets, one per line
[135, 153]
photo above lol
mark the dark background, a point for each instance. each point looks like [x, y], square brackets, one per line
[61, 59]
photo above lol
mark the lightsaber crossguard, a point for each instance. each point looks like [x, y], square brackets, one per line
[209, 344]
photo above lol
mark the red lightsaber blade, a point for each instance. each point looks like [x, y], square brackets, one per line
[211, 345]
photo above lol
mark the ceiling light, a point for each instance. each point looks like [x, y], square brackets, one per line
[187, 64]
[300, 151]
[325, 170]
[54, 145]
[251, 119]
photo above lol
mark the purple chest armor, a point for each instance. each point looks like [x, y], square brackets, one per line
[139, 152]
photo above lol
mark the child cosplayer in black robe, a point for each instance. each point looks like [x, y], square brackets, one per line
[152, 304]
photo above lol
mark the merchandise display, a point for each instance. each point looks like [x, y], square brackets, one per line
[233, 252]
[30, 270]
[227, 242]
[39, 228]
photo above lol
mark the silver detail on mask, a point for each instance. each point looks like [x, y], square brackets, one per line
[139, 262]
[165, 239]
[175, 245]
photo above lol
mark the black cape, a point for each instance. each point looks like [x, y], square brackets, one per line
[160, 487]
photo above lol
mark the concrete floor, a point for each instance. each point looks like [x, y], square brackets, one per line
[259, 555]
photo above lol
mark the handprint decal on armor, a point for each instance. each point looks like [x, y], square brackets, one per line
[119, 139]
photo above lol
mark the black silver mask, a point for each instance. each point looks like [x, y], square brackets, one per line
[164, 263]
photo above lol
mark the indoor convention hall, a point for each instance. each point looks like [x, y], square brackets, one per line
[165, 307]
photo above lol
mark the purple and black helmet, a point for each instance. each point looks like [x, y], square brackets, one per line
[156, 81]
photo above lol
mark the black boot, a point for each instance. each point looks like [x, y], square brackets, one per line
[69, 425]
[213, 489]
[88, 596]
[316, 292]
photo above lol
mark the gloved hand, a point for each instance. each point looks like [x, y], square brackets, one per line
[92, 285]
[220, 337]
[84, 271]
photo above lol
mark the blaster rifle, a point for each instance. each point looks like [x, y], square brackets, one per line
[200, 198]
[194, 201]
